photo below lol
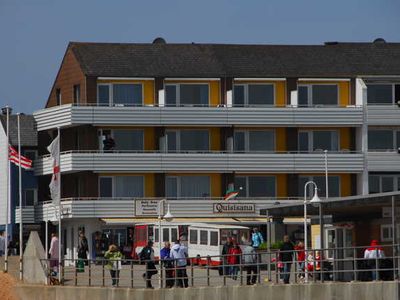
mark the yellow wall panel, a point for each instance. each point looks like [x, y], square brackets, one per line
[215, 139]
[344, 138]
[280, 93]
[149, 139]
[280, 139]
[281, 185]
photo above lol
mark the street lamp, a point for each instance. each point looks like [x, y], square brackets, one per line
[315, 199]
[167, 217]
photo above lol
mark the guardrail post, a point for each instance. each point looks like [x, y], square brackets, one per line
[241, 271]
[355, 264]
[103, 273]
[314, 266]
[269, 267]
[208, 270]
[90, 272]
[192, 274]
[376, 267]
[132, 273]
[75, 271]
[258, 268]
[161, 274]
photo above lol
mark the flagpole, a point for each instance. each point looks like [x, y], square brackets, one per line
[59, 208]
[8, 188]
[20, 199]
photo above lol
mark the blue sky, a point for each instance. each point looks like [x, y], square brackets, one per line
[35, 33]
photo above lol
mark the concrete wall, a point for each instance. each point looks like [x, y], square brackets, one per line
[327, 291]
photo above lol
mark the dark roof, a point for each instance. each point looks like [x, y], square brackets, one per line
[219, 60]
[28, 130]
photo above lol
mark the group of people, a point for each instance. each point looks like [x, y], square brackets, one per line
[12, 245]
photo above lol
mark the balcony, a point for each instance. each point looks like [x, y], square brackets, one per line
[220, 162]
[130, 208]
[388, 161]
[28, 215]
[383, 115]
[72, 115]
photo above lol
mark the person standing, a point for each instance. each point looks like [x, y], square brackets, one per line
[301, 257]
[286, 254]
[53, 251]
[167, 264]
[256, 238]
[373, 254]
[234, 259]
[179, 254]
[83, 248]
[108, 143]
[114, 257]
[147, 256]
[225, 251]
[250, 263]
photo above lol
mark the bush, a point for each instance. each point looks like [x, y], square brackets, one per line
[274, 246]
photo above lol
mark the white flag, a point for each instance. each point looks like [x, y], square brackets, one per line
[54, 149]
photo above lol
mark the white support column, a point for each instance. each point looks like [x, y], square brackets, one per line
[293, 98]
[229, 99]
[161, 98]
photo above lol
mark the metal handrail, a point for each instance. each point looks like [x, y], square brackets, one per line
[262, 267]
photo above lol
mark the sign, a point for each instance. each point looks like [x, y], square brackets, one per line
[234, 208]
[146, 208]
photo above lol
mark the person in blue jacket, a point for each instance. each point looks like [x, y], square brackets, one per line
[256, 238]
[168, 265]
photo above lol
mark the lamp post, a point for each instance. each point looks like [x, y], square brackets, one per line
[313, 200]
[316, 201]
[167, 217]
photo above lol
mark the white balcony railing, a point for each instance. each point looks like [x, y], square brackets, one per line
[98, 161]
[72, 115]
[383, 115]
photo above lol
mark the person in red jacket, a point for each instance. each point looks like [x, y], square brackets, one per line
[300, 258]
[233, 259]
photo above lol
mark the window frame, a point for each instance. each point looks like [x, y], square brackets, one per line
[35, 196]
[246, 94]
[247, 185]
[178, 94]
[75, 88]
[178, 132]
[393, 86]
[395, 179]
[311, 188]
[388, 227]
[310, 100]
[111, 94]
[310, 134]
[395, 139]
[179, 184]
[247, 140]
[101, 135]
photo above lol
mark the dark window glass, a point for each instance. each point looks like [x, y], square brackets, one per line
[194, 140]
[103, 95]
[379, 94]
[380, 139]
[261, 141]
[397, 93]
[238, 95]
[77, 93]
[171, 140]
[174, 234]
[193, 236]
[240, 182]
[213, 238]
[165, 235]
[397, 139]
[334, 186]
[127, 94]
[261, 186]
[31, 154]
[387, 184]
[30, 197]
[156, 235]
[373, 184]
[105, 187]
[203, 237]
[129, 186]
[195, 186]
[325, 140]
[261, 94]
[58, 96]
[303, 142]
[170, 95]
[239, 141]
[325, 94]
[171, 186]
[194, 94]
[128, 140]
[302, 97]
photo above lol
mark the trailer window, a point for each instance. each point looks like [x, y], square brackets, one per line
[174, 234]
[214, 238]
[193, 236]
[165, 234]
[203, 237]
[156, 235]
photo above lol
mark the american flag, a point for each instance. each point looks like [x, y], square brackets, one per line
[26, 163]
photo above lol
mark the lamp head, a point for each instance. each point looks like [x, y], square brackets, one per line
[168, 216]
[315, 201]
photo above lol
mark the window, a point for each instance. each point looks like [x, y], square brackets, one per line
[58, 96]
[380, 94]
[165, 235]
[386, 233]
[193, 236]
[31, 154]
[318, 140]
[254, 141]
[174, 234]
[126, 94]
[317, 94]
[121, 186]
[383, 139]
[188, 140]
[203, 237]
[30, 197]
[187, 186]
[333, 183]
[256, 186]
[128, 139]
[187, 94]
[253, 95]
[77, 93]
[156, 235]
[213, 238]
[381, 183]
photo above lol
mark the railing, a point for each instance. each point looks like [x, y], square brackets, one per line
[261, 267]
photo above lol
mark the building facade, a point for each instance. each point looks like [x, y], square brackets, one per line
[190, 121]
[29, 149]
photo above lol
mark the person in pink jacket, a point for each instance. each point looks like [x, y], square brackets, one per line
[54, 253]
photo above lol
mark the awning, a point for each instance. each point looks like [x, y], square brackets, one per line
[132, 221]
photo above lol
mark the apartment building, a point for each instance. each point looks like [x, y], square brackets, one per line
[189, 121]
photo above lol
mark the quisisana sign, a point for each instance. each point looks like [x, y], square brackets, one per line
[233, 208]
